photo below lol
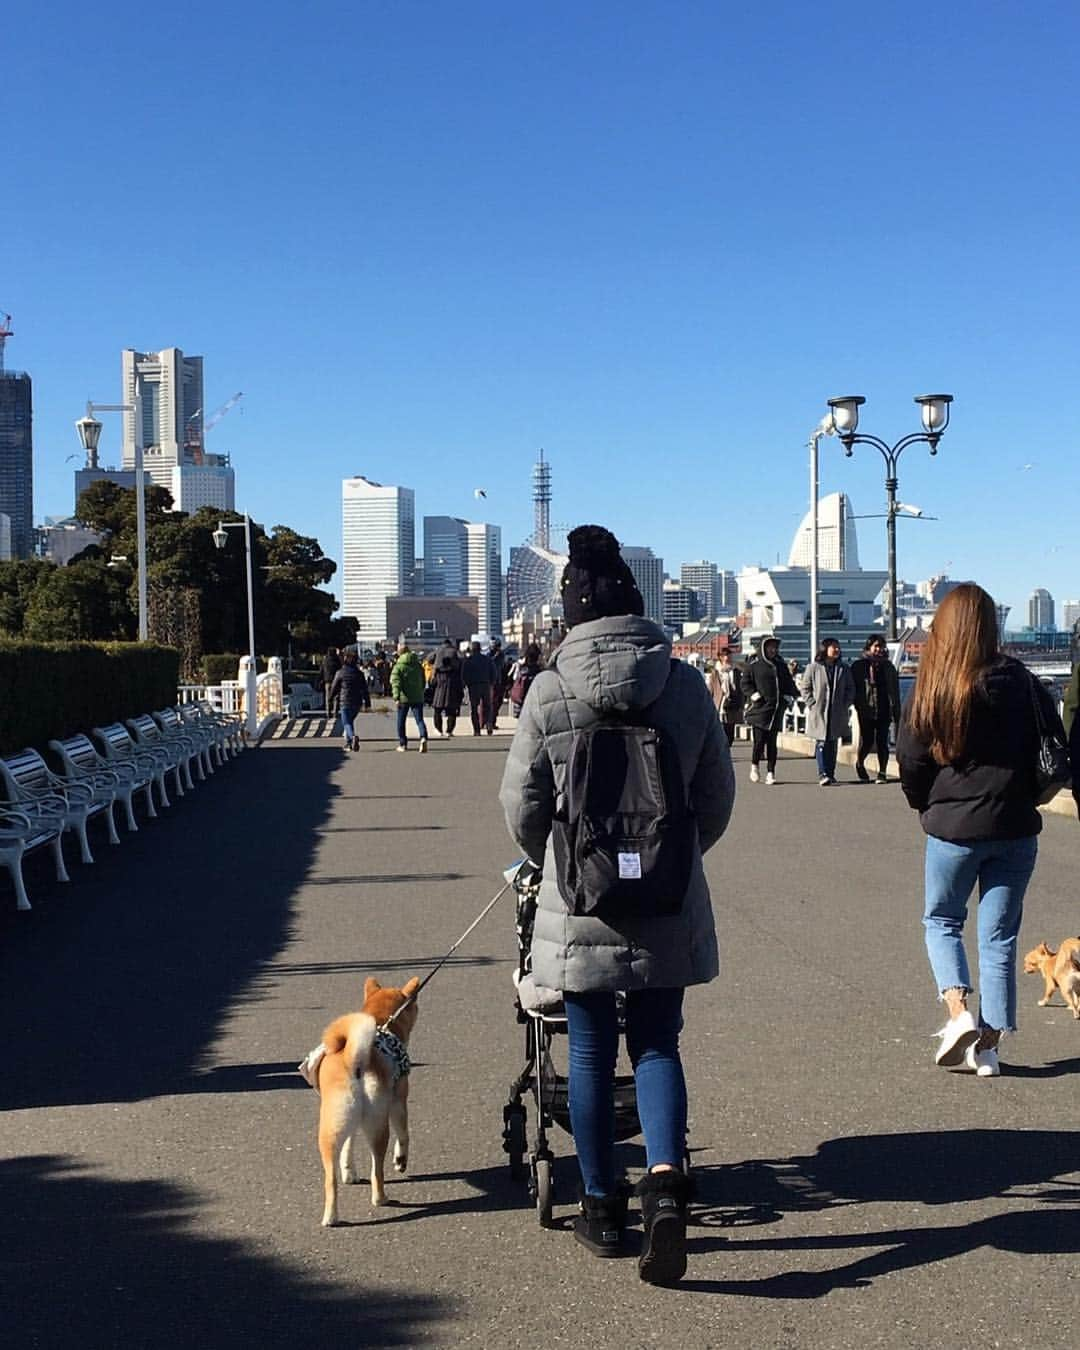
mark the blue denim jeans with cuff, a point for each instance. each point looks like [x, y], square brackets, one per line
[1002, 869]
[825, 754]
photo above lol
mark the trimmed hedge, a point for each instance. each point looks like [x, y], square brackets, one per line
[49, 690]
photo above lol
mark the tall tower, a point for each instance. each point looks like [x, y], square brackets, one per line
[171, 385]
[378, 551]
[16, 458]
[541, 478]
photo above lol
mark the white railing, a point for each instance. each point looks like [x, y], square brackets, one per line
[230, 696]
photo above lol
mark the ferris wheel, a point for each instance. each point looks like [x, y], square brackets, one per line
[536, 568]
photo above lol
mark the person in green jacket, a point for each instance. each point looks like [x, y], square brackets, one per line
[407, 690]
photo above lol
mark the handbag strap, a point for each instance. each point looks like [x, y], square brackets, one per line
[1040, 720]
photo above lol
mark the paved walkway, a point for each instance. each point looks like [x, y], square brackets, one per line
[159, 1180]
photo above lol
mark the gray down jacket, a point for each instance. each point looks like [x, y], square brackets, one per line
[608, 665]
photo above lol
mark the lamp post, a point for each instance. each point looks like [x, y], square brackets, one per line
[824, 428]
[89, 429]
[220, 540]
[935, 418]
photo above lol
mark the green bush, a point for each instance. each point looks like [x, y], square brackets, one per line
[49, 690]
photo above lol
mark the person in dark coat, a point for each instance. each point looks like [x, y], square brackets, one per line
[331, 664]
[478, 676]
[767, 689]
[613, 664]
[877, 705]
[1072, 729]
[500, 687]
[350, 689]
[967, 751]
[521, 676]
[449, 690]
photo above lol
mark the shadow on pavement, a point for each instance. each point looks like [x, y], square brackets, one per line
[932, 1168]
[390, 878]
[93, 1260]
[112, 987]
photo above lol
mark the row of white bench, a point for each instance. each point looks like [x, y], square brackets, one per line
[42, 805]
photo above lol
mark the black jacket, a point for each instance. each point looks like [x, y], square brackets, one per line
[330, 667]
[864, 691]
[989, 793]
[449, 691]
[772, 680]
[478, 670]
[350, 685]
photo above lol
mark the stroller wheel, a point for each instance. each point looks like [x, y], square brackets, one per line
[543, 1189]
[514, 1138]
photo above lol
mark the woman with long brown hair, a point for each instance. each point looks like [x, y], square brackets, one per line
[967, 751]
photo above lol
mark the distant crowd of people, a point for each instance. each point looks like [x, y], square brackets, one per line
[443, 680]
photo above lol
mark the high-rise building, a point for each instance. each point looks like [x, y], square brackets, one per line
[17, 459]
[648, 572]
[704, 578]
[1041, 609]
[6, 553]
[208, 484]
[838, 543]
[484, 579]
[1070, 614]
[378, 551]
[446, 556]
[682, 604]
[171, 387]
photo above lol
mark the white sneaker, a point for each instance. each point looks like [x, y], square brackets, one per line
[956, 1035]
[423, 746]
[401, 749]
[983, 1062]
[824, 780]
[755, 777]
[770, 779]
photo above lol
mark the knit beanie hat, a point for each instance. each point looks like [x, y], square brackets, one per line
[596, 582]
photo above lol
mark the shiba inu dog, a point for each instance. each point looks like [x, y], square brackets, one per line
[1060, 970]
[362, 1076]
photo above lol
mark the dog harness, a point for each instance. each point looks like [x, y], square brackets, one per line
[394, 1049]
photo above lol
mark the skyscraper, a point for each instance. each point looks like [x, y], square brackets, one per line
[838, 542]
[171, 386]
[648, 572]
[378, 551]
[446, 556]
[1070, 614]
[485, 574]
[1041, 609]
[17, 459]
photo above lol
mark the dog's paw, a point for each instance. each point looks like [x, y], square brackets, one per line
[378, 1199]
[330, 1221]
[401, 1162]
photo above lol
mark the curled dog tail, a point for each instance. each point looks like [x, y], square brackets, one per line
[355, 1034]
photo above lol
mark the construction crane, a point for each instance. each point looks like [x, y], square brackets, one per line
[196, 436]
[6, 331]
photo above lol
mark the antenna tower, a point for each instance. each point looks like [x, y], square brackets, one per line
[541, 478]
[6, 331]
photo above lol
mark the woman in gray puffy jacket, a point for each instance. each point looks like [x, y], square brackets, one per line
[614, 662]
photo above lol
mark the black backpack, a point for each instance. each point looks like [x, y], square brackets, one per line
[624, 837]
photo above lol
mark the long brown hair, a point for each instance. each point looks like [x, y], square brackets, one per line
[963, 643]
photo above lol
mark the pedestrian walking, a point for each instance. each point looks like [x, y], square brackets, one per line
[501, 684]
[478, 676]
[407, 691]
[967, 749]
[877, 706]
[349, 689]
[614, 664]
[828, 692]
[449, 691]
[767, 689]
[727, 696]
[522, 674]
[331, 664]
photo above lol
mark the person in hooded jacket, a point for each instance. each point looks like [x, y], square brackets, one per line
[449, 691]
[611, 662]
[407, 691]
[767, 687]
[967, 751]
[349, 688]
[828, 692]
[877, 705]
[331, 664]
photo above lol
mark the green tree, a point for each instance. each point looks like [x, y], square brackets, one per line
[85, 600]
[17, 582]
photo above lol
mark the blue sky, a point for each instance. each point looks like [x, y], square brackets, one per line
[426, 239]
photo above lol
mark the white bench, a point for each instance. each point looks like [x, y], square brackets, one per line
[33, 789]
[117, 744]
[79, 760]
[19, 833]
[149, 736]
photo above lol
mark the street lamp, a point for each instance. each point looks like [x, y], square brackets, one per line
[89, 429]
[220, 540]
[826, 427]
[935, 418]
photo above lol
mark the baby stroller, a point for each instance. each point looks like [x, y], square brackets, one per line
[541, 1013]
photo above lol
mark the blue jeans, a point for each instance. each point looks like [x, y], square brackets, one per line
[653, 1023]
[403, 710]
[347, 728]
[825, 754]
[1002, 868]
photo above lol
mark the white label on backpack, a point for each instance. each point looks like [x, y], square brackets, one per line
[629, 866]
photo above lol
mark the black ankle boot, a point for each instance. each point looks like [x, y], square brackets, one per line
[664, 1197]
[601, 1224]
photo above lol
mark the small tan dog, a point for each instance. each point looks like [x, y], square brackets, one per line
[1060, 970]
[362, 1077]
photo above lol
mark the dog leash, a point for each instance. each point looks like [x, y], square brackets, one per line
[435, 969]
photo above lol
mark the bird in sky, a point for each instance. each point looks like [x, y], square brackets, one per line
[479, 492]
[1025, 467]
